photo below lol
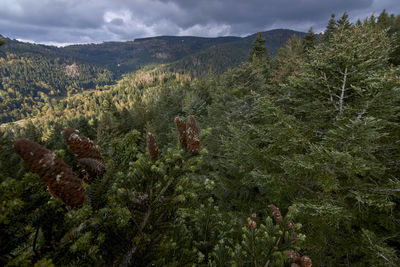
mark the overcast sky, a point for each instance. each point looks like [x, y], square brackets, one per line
[93, 21]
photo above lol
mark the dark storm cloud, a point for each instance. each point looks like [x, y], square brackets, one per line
[85, 21]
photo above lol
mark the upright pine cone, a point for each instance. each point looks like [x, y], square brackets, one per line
[92, 169]
[181, 128]
[61, 181]
[152, 146]
[192, 135]
[82, 146]
[276, 213]
[90, 159]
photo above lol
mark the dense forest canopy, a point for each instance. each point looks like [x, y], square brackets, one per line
[292, 160]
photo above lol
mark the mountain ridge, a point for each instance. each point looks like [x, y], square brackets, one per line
[35, 74]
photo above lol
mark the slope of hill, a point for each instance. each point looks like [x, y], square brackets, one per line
[32, 75]
[124, 57]
[219, 58]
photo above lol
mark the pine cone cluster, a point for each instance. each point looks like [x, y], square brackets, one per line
[298, 260]
[152, 146]
[59, 177]
[188, 134]
[276, 213]
[89, 156]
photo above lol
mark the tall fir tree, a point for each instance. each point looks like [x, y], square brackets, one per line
[346, 97]
[309, 39]
[259, 51]
[344, 22]
[384, 20]
[330, 28]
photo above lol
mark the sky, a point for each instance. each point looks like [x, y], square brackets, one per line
[62, 22]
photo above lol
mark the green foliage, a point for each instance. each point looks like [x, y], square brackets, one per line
[330, 28]
[34, 79]
[309, 39]
[259, 244]
[343, 22]
[258, 50]
[314, 131]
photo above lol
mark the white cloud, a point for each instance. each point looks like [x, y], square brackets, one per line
[209, 30]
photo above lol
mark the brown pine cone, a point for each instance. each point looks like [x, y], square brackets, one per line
[276, 213]
[252, 224]
[305, 262]
[295, 256]
[181, 129]
[92, 169]
[192, 135]
[82, 146]
[152, 146]
[59, 177]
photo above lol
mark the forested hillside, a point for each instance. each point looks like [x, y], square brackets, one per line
[28, 83]
[284, 161]
[33, 76]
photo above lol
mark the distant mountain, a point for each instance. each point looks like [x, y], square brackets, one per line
[219, 58]
[124, 57]
[35, 74]
[121, 57]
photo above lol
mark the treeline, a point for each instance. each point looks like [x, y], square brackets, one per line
[290, 161]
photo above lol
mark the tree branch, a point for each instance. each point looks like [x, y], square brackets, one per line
[329, 90]
[361, 114]
[342, 91]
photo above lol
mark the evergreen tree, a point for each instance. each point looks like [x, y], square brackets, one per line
[343, 22]
[309, 39]
[347, 99]
[259, 52]
[384, 21]
[330, 28]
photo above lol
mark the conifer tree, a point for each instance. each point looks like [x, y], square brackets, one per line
[384, 20]
[259, 52]
[309, 39]
[346, 98]
[344, 22]
[330, 28]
